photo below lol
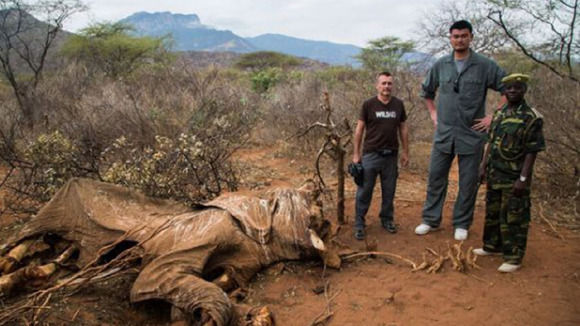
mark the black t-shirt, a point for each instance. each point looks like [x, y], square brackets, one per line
[382, 123]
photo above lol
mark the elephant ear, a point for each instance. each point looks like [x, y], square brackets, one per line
[253, 214]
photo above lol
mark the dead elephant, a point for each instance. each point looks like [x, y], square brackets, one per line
[191, 257]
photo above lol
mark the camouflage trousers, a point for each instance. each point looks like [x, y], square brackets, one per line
[507, 219]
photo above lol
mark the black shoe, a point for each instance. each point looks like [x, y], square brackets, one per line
[389, 226]
[359, 234]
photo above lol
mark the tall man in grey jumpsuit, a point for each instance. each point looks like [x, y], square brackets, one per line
[462, 79]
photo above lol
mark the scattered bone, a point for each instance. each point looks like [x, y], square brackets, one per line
[11, 261]
[472, 259]
[264, 317]
[437, 263]
[430, 265]
[456, 256]
[461, 261]
[9, 282]
[426, 263]
[316, 241]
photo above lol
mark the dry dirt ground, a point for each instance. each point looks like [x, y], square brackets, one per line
[375, 291]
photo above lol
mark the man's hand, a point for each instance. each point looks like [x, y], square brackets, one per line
[356, 158]
[482, 124]
[405, 159]
[433, 115]
[520, 188]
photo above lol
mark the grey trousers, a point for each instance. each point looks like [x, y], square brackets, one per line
[375, 165]
[437, 188]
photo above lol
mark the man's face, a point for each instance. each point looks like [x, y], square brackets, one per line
[384, 85]
[460, 39]
[515, 91]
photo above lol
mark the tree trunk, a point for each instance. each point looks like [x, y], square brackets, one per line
[340, 153]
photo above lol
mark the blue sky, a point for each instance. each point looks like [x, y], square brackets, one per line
[340, 21]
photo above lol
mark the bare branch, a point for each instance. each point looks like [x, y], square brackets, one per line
[501, 23]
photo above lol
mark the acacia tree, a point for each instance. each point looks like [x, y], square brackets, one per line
[384, 54]
[267, 59]
[551, 26]
[111, 48]
[25, 43]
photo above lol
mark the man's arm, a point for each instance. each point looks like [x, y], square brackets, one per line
[494, 82]
[428, 91]
[534, 143]
[358, 134]
[404, 133]
[432, 110]
[520, 186]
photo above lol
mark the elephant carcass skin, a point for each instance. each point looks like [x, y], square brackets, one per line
[186, 250]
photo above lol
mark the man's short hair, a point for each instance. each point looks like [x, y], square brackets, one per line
[461, 24]
[384, 73]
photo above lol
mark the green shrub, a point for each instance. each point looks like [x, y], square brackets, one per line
[264, 80]
[52, 160]
[184, 169]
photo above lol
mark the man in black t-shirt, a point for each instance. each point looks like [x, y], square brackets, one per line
[383, 117]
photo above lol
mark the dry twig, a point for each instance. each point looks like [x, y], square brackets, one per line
[380, 253]
[337, 138]
[541, 211]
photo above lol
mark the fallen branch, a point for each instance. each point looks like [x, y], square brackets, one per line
[37, 311]
[381, 253]
[325, 314]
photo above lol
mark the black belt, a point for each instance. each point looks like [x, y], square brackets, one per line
[387, 152]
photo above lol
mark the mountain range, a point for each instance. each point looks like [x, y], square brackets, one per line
[189, 34]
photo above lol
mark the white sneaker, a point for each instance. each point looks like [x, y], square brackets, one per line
[423, 229]
[508, 268]
[460, 234]
[483, 252]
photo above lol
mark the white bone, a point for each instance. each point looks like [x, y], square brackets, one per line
[316, 241]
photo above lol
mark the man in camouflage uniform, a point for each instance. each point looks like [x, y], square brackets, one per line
[514, 140]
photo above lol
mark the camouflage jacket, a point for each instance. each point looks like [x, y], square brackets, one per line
[512, 135]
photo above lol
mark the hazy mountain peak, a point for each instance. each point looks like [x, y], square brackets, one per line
[189, 34]
[187, 31]
[158, 23]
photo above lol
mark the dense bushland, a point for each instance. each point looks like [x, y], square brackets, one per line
[171, 131]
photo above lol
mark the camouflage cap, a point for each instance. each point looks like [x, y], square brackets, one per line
[516, 77]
